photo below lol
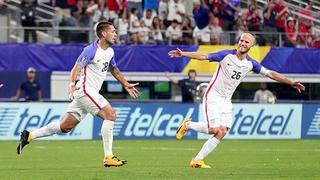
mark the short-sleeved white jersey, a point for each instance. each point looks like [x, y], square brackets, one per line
[230, 73]
[95, 62]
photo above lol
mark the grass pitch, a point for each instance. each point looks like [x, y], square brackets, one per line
[162, 159]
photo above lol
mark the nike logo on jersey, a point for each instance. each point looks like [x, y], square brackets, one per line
[229, 64]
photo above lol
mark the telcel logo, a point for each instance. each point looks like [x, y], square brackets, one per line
[155, 124]
[262, 124]
[33, 121]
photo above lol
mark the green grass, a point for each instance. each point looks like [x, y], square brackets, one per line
[162, 159]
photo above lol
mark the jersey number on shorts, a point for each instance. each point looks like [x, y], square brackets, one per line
[236, 75]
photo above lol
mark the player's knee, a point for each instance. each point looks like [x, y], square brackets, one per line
[223, 131]
[109, 115]
[213, 130]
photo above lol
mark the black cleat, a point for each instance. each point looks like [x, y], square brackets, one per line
[23, 141]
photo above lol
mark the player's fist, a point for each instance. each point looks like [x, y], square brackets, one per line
[175, 53]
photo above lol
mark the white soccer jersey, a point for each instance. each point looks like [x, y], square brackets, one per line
[230, 73]
[95, 63]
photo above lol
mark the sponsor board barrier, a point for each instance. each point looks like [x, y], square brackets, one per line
[160, 120]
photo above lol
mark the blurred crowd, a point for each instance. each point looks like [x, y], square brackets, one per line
[187, 21]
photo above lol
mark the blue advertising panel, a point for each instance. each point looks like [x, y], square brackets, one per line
[15, 117]
[156, 120]
[310, 121]
[264, 121]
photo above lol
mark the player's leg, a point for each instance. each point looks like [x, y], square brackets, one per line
[68, 122]
[97, 105]
[108, 114]
[74, 115]
[219, 122]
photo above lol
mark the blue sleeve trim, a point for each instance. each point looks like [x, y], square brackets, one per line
[87, 55]
[256, 67]
[219, 56]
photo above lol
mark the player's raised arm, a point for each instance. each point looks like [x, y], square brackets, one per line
[281, 78]
[193, 55]
[130, 88]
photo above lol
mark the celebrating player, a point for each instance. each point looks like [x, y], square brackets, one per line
[234, 65]
[93, 62]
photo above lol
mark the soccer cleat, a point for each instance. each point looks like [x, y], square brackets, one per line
[23, 141]
[198, 164]
[183, 128]
[113, 161]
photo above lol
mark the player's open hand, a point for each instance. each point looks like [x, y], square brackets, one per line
[175, 53]
[298, 86]
[1, 85]
[130, 88]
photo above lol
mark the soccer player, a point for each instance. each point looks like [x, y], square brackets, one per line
[93, 63]
[234, 65]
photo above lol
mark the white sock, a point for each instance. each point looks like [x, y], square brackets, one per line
[48, 130]
[207, 148]
[198, 126]
[107, 136]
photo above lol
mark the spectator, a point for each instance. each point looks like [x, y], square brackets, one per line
[156, 31]
[163, 10]
[134, 21]
[123, 27]
[306, 36]
[137, 4]
[240, 27]
[264, 96]
[176, 10]
[114, 7]
[28, 19]
[216, 31]
[174, 32]
[291, 33]
[201, 16]
[101, 13]
[148, 18]
[188, 86]
[306, 15]
[144, 32]
[269, 24]
[253, 18]
[79, 12]
[229, 12]
[187, 31]
[30, 89]
[92, 7]
[282, 15]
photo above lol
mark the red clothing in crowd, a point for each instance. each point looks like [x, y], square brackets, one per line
[280, 23]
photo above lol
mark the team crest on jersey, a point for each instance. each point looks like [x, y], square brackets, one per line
[83, 59]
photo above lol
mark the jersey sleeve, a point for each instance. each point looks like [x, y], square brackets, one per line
[86, 55]
[218, 56]
[257, 67]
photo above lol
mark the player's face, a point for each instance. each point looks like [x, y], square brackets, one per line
[110, 35]
[245, 43]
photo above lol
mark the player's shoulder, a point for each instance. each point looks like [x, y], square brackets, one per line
[91, 47]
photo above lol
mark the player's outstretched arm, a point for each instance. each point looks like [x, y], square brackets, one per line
[130, 88]
[281, 78]
[193, 55]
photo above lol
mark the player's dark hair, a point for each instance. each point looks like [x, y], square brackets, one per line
[102, 26]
